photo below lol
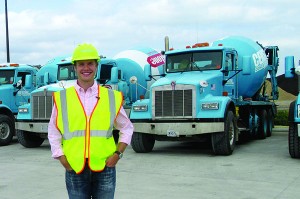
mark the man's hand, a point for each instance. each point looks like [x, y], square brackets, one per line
[63, 160]
[112, 160]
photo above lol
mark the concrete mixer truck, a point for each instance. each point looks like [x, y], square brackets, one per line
[33, 118]
[16, 83]
[212, 92]
[294, 110]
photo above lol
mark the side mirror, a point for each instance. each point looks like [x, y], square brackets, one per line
[246, 65]
[114, 75]
[46, 78]
[147, 72]
[28, 81]
[289, 67]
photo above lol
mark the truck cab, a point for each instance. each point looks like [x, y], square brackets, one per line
[199, 88]
[16, 83]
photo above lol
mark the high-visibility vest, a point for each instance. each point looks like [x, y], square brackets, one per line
[83, 136]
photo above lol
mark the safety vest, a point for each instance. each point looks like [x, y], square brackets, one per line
[82, 134]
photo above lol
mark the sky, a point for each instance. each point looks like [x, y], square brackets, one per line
[41, 30]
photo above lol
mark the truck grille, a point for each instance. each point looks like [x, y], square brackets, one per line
[41, 105]
[173, 103]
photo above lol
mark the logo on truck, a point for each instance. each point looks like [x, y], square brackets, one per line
[156, 60]
[260, 60]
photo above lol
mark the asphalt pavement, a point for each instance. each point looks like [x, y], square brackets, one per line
[258, 169]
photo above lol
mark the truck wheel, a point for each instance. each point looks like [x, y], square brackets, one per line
[262, 124]
[294, 141]
[223, 143]
[270, 119]
[142, 143]
[7, 130]
[29, 139]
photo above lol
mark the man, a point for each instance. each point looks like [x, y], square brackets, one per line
[80, 130]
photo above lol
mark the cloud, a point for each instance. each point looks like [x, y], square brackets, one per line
[40, 31]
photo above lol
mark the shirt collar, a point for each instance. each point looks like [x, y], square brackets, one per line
[92, 89]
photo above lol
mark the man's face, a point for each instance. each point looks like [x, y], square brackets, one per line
[86, 70]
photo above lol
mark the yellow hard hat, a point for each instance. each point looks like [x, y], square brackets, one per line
[85, 52]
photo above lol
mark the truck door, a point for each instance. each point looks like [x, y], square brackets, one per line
[22, 92]
[6, 86]
[230, 77]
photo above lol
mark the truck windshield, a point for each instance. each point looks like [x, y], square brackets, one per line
[66, 72]
[7, 76]
[194, 61]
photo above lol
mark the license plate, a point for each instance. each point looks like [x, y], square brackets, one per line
[172, 133]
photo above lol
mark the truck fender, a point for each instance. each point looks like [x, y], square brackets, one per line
[230, 106]
[7, 125]
[291, 117]
[5, 110]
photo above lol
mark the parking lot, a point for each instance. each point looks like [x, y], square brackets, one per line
[175, 170]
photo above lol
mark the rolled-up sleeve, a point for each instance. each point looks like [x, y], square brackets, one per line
[124, 125]
[54, 136]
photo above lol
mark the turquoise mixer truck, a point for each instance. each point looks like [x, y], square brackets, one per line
[209, 92]
[124, 72]
[16, 83]
[294, 110]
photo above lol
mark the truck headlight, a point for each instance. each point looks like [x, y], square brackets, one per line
[298, 110]
[210, 106]
[23, 110]
[140, 108]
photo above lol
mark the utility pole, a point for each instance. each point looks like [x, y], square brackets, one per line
[7, 38]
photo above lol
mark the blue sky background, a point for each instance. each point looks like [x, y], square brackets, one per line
[40, 30]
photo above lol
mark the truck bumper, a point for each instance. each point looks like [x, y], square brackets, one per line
[176, 128]
[41, 127]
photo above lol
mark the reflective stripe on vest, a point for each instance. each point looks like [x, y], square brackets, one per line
[72, 123]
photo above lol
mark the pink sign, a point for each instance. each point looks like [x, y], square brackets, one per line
[156, 60]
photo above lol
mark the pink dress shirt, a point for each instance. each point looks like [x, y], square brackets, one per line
[89, 100]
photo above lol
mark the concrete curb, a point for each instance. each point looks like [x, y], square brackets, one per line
[281, 128]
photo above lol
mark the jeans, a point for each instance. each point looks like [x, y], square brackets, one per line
[89, 184]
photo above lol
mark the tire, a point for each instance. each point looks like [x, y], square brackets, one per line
[262, 124]
[7, 130]
[29, 139]
[294, 141]
[254, 127]
[270, 121]
[142, 143]
[223, 143]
